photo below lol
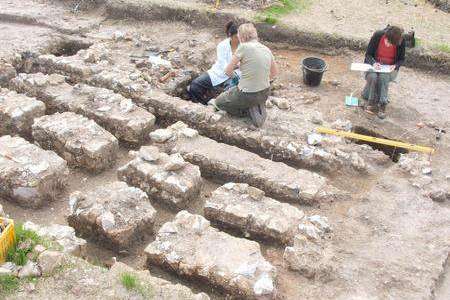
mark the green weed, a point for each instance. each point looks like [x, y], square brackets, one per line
[24, 244]
[272, 14]
[129, 281]
[8, 284]
[443, 48]
[132, 283]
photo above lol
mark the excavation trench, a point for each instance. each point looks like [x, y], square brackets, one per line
[394, 153]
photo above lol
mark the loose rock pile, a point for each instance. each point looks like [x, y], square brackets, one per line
[311, 254]
[115, 214]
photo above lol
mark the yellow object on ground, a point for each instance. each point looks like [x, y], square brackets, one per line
[372, 139]
[217, 3]
[7, 237]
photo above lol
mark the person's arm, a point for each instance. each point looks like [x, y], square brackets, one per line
[401, 56]
[232, 66]
[273, 69]
[222, 54]
[372, 49]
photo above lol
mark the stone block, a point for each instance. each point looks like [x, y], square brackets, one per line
[17, 113]
[80, 141]
[190, 247]
[223, 162]
[115, 214]
[247, 209]
[29, 175]
[117, 114]
[61, 234]
[164, 178]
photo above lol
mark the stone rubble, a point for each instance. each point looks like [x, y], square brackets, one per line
[30, 269]
[193, 249]
[160, 288]
[17, 113]
[49, 261]
[7, 72]
[164, 178]
[229, 163]
[115, 214]
[78, 279]
[311, 254]
[29, 175]
[80, 141]
[61, 234]
[247, 209]
[281, 103]
[282, 146]
[117, 114]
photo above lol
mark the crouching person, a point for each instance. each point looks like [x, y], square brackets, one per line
[258, 68]
[386, 47]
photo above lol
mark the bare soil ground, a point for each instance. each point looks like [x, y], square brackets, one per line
[337, 17]
[390, 239]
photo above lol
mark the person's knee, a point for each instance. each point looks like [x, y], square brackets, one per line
[371, 77]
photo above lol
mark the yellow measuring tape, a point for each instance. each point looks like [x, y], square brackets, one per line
[372, 139]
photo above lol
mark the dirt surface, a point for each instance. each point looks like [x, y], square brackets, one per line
[337, 17]
[390, 239]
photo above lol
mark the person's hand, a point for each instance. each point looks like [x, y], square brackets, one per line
[377, 66]
[392, 67]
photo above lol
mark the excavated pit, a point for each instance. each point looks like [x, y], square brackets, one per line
[69, 47]
[394, 153]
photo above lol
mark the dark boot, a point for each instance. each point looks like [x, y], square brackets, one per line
[258, 114]
[371, 107]
[382, 111]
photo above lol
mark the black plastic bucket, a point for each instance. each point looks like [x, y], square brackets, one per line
[313, 69]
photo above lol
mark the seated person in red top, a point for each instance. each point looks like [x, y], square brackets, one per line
[386, 47]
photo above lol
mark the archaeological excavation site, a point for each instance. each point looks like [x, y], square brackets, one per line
[116, 184]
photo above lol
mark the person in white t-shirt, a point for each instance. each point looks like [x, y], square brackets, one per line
[216, 77]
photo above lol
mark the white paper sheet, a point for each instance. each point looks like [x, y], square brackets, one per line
[366, 68]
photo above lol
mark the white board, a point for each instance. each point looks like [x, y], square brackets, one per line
[366, 68]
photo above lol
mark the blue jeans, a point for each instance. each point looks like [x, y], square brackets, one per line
[377, 87]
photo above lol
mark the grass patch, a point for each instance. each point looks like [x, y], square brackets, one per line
[23, 247]
[24, 244]
[129, 281]
[132, 283]
[8, 284]
[443, 48]
[272, 14]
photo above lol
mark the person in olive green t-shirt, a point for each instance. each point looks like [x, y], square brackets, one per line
[258, 68]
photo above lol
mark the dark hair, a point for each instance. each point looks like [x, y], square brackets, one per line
[394, 34]
[231, 29]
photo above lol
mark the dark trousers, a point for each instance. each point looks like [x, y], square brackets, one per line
[199, 88]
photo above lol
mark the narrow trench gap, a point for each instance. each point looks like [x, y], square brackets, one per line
[69, 48]
[394, 153]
